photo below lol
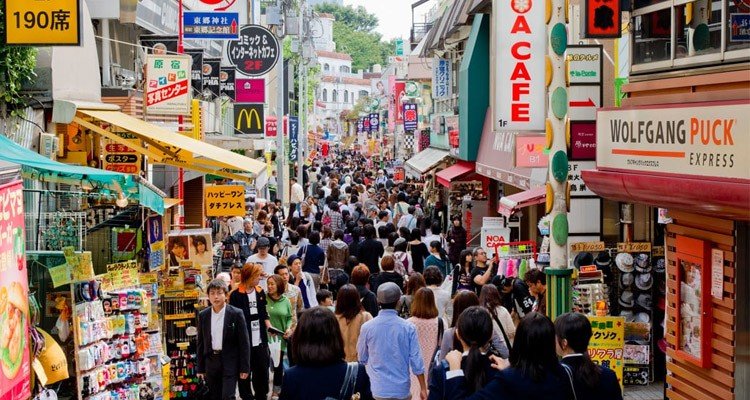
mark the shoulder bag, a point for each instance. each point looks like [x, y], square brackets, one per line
[436, 354]
[569, 373]
[502, 330]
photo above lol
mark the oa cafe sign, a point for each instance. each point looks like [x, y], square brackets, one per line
[521, 46]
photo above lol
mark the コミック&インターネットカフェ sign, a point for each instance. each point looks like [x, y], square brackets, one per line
[521, 45]
[708, 139]
[255, 52]
[168, 84]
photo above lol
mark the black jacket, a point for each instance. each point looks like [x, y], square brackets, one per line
[512, 385]
[239, 299]
[608, 387]
[235, 343]
[369, 300]
[437, 377]
[370, 252]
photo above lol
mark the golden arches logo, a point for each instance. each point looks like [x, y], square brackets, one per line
[248, 114]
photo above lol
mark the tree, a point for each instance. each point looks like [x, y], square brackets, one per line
[356, 18]
[16, 69]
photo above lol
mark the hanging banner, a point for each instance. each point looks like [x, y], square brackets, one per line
[391, 103]
[399, 93]
[521, 46]
[293, 138]
[226, 82]
[411, 117]
[159, 45]
[255, 53]
[167, 84]
[251, 90]
[441, 78]
[374, 122]
[211, 72]
[606, 347]
[603, 19]
[225, 200]
[15, 361]
[156, 243]
[196, 71]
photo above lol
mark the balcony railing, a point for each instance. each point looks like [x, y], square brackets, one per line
[445, 105]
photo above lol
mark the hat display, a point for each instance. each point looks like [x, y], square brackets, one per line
[624, 262]
[388, 293]
[582, 259]
[644, 281]
[628, 315]
[660, 266]
[644, 301]
[603, 259]
[626, 299]
[642, 263]
[626, 280]
[642, 317]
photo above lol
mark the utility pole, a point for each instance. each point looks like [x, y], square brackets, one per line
[558, 274]
[280, 184]
[301, 92]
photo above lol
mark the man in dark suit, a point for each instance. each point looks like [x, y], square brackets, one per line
[223, 344]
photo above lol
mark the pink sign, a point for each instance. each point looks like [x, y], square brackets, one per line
[530, 151]
[399, 93]
[391, 103]
[583, 141]
[252, 90]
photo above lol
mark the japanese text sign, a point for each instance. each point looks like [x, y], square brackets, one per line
[374, 122]
[226, 82]
[167, 84]
[578, 187]
[256, 52]
[603, 19]
[530, 151]
[250, 90]
[249, 118]
[14, 353]
[584, 64]
[411, 117]
[121, 275]
[606, 347]
[119, 157]
[50, 22]
[225, 201]
[210, 25]
[399, 93]
[583, 141]
[293, 138]
[521, 46]
[441, 78]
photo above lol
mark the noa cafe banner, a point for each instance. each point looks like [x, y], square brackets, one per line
[703, 139]
[520, 67]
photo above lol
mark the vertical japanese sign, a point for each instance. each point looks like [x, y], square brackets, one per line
[211, 70]
[374, 122]
[119, 157]
[167, 84]
[50, 22]
[607, 344]
[293, 138]
[15, 360]
[521, 46]
[441, 77]
[226, 82]
[225, 201]
[391, 103]
[398, 94]
[411, 117]
[156, 243]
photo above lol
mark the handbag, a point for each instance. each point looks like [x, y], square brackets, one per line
[202, 392]
[325, 276]
[502, 330]
[436, 354]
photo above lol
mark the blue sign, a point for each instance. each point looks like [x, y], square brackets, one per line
[441, 78]
[293, 138]
[411, 117]
[210, 25]
[374, 122]
[739, 27]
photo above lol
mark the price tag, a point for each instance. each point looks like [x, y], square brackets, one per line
[587, 247]
[634, 247]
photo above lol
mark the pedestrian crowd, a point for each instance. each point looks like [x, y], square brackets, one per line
[358, 291]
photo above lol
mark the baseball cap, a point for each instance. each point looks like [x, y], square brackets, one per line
[388, 293]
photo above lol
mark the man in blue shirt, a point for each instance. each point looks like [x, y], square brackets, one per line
[388, 347]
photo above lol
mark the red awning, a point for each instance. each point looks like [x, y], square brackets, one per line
[455, 172]
[730, 199]
[508, 205]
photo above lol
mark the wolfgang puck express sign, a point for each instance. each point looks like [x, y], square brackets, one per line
[703, 140]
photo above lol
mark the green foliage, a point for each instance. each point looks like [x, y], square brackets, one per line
[16, 69]
[356, 18]
[361, 106]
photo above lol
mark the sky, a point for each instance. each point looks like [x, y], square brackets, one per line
[394, 15]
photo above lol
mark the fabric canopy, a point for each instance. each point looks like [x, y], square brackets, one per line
[167, 147]
[426, 160]
[455, 172]
[510, 204]
[39, 167]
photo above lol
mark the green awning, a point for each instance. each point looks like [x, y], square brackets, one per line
[38, 167]
[474, 92]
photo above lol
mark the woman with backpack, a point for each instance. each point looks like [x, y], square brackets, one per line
[402, 257]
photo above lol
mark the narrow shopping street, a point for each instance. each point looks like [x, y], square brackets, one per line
[374, 199]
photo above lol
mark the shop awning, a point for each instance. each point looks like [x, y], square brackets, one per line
[455, 172]
[730, 199]
[508, 205]
[495, 159]
[426, 160]
[38, 167]
[170, 202]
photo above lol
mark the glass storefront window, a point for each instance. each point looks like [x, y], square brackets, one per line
[738, 25]
[701, 28]
[652, 37]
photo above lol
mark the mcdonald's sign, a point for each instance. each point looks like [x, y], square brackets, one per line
[249, 119]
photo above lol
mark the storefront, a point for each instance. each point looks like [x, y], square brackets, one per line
[689, 160]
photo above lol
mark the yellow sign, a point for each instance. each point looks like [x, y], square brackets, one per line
[633, 247]
[587, 246]
[225, 201]
[60, 275]
[43, 22]
[607, 344]
[121, 275]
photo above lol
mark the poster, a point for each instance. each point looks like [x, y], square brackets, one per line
[606, 347]
[195, 245]
[691, 308]
[15, 361]
[60, 275]
[167, 84]
[224, 201]
[156, 243]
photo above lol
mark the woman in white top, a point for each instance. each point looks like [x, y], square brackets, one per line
[502, 322]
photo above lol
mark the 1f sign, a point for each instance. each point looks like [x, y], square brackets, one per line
[521, 46]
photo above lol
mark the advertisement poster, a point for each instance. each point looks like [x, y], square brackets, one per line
[168, 84]
[15, 361]
[192, 249]
[607, 344]
[399, 93]
[156, 243]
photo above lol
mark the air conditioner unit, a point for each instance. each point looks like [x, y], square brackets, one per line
[48, 145]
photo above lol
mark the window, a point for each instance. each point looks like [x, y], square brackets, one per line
[326, 67]
[325, 95]
[683, 33]
[363, 93]
[344, 69]
[346, 96]
[335, 95]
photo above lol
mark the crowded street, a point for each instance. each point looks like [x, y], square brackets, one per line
[374, 199]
